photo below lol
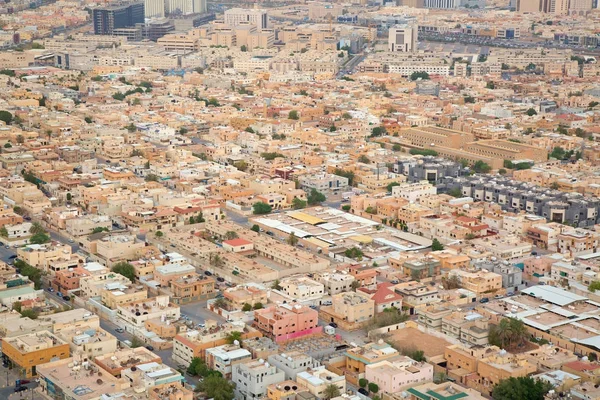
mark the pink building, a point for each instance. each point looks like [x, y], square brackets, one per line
[287, 321]
[392, 376]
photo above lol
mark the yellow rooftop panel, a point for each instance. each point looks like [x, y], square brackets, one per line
[319, 242]
[309, 219]
[362, 239]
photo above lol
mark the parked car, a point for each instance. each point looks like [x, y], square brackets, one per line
[59, 294]
[484, 300]
[120, 330]
[333, 325]
[66, 298]
[207, 273]
[50, 289]
[221, 279]
[20, 389]
[150, 348]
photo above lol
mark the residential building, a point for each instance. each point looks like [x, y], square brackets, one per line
[285, 321]
[224, 358]
[392, 376]
[252, 379]
[292, 363]
[26, 352]
[317, 379]
[349, 310]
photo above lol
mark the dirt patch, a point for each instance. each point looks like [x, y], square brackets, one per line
[413, 338]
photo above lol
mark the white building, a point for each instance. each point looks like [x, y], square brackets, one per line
[251, 379]
[403, 38]
[414, 191]
[239, 16]
[154, 8]
[293, 362]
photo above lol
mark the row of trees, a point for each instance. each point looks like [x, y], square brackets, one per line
[213, 385]
[313, 198]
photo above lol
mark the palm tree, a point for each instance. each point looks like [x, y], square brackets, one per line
[233, 336]
[220, 303]
[508, 332]
[231, 235]
[292, 240]
[216, 260]
[331, 391]
[36, 228]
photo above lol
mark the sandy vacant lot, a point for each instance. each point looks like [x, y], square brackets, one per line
[414, 338]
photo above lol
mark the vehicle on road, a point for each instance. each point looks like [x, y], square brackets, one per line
[484, 300]
[20, 389]
[71, 241]
[333, 325]
[221, 279]
[66, 298]
[120, 330]
[150, 348]
[207, 273]
[12, 257]
[59, 294]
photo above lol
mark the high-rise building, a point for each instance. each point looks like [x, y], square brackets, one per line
[154, 8]
[185, 7]
[122, 15]
[403, 38]
[580, 7]
[558, 7]
[236, 16]
[442, 4]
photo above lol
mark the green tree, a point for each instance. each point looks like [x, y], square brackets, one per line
[192, 220]
[255, 228]
[244, 48]
[136, 342]
[261, 208]
[436, 245]
[34, 274]
[362, 382]
[88, 120]
[373, 387]
[6, 117]
[99, 229]
[346, 207]
[292, 239]
[229, 235]
[416, 75]
[558, 153]
[216, 387]
[271, 156]
[293, 115]
[276, 285]
[315, 197]
[531, 112]
[490, 85]
[508, 332]
[298, 204]
[151, 178]
[29, 313]
[159, 234]
[39, 238]
[213, 102]
[364, 159]
[354, 253]
[331, 391]
[502, 171]
[246, 307]
[392, 185]
[69, 197]
[8, 72]
[233, 336]
[3, 232]
[257, 306]
[423, 152]
[36, 227]
[469, 99]
[125, 269]
[455, 192]
[396, 147]
[522, 388]
[346, 115]
[481, 167]
[7, 145]
[595, 285]
[17, 306]
[241, 165]
[346, 174]
[378, 131]
[355, 285]
[198, 367]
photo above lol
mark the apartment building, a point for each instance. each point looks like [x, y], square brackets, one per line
[478, 281]
[224, 358]
[292, 363]
[317, 379]
[393, 376]
[27, 351]
[302, 288]
[190, 344]
[577, 242]
[285, 321]
[252, 379]
[350, 310]
[134, 314]
[335, 283]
